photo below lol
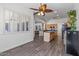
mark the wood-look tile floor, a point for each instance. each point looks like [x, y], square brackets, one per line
[38, 48]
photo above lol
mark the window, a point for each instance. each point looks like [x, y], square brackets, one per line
[23, 26]
[18, 27]
[27, 26]
[7, 27]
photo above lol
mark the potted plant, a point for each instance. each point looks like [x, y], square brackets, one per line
[72, 19]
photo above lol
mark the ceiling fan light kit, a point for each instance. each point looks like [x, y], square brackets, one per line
[42, 13]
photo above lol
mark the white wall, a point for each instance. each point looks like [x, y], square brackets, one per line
[13, 39]
[76, 7]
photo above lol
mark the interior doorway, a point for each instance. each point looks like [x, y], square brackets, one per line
[38, 30]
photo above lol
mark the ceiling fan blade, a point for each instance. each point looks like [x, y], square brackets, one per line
[34, 9]
[48, 10]
[36, 13]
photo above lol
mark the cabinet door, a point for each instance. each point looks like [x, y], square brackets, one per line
[69, 36]
[75, 41]
[78, 42]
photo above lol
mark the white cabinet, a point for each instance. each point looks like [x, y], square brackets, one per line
[46, 36]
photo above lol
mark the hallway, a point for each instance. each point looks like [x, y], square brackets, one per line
[37, 48]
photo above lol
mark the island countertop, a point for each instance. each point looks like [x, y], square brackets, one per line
[50, 30]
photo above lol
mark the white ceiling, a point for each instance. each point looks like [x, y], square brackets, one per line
[61, 8]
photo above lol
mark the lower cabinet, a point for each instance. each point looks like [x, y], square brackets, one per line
[49, 36]
[72, 43]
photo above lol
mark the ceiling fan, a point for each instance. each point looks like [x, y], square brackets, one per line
[42, 10]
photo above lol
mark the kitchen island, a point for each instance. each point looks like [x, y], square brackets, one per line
[50, 35]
